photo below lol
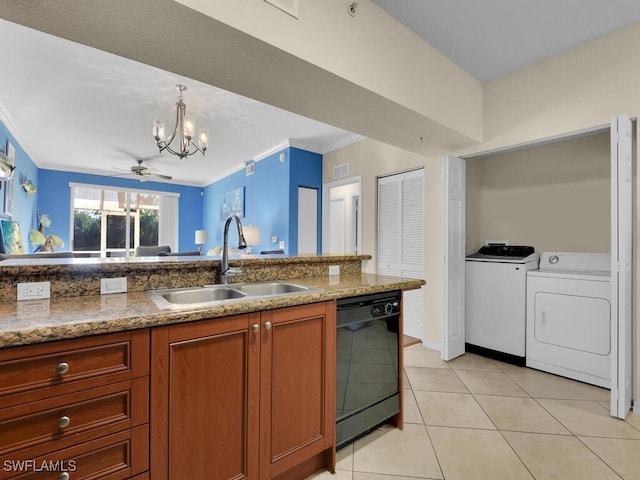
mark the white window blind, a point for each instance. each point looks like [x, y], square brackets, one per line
[168, 222]
[401, 239]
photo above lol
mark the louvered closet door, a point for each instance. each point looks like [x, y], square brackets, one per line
[401, 239]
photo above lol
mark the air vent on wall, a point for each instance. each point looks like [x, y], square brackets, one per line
[250, 169]
[340, 171]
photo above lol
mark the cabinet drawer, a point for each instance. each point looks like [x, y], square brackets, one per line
[38, 371]
[62, 421]
[114, 457]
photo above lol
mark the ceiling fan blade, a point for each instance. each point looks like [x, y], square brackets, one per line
[166, 177]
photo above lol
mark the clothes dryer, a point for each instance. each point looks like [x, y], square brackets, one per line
[569, 316]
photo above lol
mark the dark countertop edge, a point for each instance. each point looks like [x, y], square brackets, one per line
[59, 265]
[170, 317]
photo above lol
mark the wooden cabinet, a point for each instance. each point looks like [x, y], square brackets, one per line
[297, 388]
[244, 397]
[78, 406]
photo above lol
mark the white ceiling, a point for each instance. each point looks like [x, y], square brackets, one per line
[77, 108]
[492, 38]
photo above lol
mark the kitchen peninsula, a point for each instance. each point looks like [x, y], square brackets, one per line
[123, 383]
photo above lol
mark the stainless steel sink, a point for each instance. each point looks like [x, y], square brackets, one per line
[200, 295]
[270, 288]
[180, 298]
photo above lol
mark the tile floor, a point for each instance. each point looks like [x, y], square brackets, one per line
[478, 419]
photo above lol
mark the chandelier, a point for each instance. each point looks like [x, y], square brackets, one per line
[182, 132]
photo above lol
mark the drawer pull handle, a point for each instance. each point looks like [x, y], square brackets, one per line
[64, 422]
[64, 476]
[63, 368]
[255, 328]
[267, 325]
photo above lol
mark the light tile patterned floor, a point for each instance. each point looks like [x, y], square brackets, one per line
[480, 419]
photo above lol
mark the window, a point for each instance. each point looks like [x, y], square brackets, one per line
[115, 221]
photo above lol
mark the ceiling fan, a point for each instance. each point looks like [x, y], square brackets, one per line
[143, 172]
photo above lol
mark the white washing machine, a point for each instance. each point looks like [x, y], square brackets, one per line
[569, 316]
[495, 312]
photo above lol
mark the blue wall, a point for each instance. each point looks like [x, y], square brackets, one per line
[55, 200]
[266, 204]
[24, 205]
[305, 171]
[271, 199]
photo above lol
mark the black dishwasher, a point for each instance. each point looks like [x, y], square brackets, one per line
[367, 392]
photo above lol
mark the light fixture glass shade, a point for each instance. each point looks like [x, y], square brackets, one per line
[158, 130]
[189, 127]
[251, 235]
[201, 237]
[203, 139]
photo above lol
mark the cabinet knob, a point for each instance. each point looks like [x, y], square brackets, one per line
[62, 368]
[256, 328]
[64, 476]
[267, 325]
[64, 422]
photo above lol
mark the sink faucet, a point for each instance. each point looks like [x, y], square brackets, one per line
[226, 270]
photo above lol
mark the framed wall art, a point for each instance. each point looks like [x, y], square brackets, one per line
[11, 237]
[232, 203]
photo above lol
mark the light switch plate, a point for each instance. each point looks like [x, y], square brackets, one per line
[334, 269]
[281, 244]
[113, 285]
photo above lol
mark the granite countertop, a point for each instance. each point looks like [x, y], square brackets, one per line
[61, 318]
[117, 264]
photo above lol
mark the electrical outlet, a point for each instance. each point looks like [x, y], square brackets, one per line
[34, 290]
[334, 269]
[113, 285]
[274, 239]
[281, 244]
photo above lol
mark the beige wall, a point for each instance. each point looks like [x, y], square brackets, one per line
[579, 90]
[554, 196]
[371, 159]
[378, 53]
[575, 91]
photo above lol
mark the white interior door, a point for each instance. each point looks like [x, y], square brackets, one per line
[401, 240]
[307, 220]
[349, 188]
[621, 266]
[336, 225]
[454, 257]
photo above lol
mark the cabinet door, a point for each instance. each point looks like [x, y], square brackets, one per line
[297, 420]
[204, 393]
